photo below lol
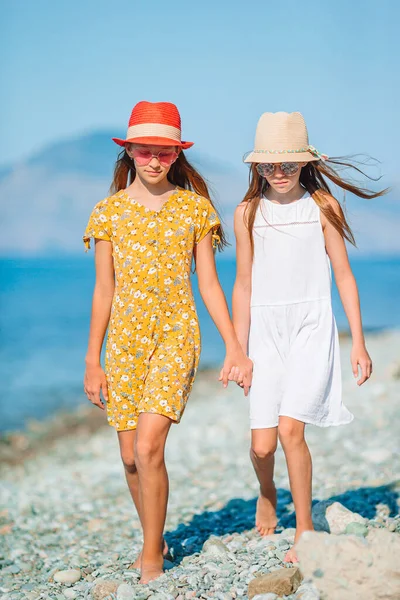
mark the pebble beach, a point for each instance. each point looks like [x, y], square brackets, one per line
[68, 528]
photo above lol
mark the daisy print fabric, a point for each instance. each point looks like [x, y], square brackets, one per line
[153, 342]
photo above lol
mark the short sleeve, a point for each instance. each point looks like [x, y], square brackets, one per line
[99, 225]
[207, 220]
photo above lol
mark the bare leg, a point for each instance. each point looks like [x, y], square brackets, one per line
[151, 435]
[126, 443]
[298, 458]
[263, 446]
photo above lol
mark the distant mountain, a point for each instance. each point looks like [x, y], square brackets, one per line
[46, 200]
[91, 155]
[94, 155]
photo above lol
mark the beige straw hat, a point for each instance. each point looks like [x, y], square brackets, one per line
[282, 137]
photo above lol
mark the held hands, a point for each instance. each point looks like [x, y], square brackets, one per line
[239, 368]
[94, 381]
[360, 359]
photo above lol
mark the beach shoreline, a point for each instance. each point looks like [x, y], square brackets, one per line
[84, 419]
[65, 503]
[38, 436]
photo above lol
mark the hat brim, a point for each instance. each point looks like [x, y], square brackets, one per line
[260, 157]
[153, 141]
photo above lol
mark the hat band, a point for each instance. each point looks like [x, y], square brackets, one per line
[311, 149]
[153, 130]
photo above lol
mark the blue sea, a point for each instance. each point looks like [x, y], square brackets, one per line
[45, 313]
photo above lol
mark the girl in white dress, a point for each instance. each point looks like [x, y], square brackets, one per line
[288, 230]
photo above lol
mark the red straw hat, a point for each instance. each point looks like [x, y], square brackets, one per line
[156, 123]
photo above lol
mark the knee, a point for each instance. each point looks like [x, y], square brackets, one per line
[128, 460]
[149, 454]
[290, 433]
[262, 452]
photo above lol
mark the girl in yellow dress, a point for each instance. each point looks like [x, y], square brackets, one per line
[147, 232]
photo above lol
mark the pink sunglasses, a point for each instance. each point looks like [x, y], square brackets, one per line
[165, 157]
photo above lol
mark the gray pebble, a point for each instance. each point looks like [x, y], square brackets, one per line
[60, 526]
[215, 547]
[70, 593]
[280, 555]
[125, 592]
[67, 576]
[356, 529]
[307, 591]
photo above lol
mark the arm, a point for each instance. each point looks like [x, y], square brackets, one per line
[214, 299]
[242, 287]
[95, 378]
[346, 284]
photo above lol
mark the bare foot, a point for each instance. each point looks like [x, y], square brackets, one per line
[138, 562]
[291, 556]
[266, 520]
[150, 572]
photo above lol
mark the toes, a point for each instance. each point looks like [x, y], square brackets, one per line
[265, 531]
[287, 559]
[288, 556]
[291, 557]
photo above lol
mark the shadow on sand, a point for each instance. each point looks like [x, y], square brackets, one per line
[238, 516]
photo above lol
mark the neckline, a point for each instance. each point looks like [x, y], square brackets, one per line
[305, 195]
[146, 208]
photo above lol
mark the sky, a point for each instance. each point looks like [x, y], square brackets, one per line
[68, 67]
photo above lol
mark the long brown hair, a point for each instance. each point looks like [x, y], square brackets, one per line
[313, 177]
[181, 174]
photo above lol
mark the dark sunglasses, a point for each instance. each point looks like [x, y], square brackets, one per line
[268, 169]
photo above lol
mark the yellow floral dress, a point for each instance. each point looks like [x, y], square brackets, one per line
[153, 342]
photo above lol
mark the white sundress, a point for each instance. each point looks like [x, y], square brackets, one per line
[293, 338]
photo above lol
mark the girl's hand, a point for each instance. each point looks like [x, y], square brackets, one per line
[237, 367]
[234, 375]
[360, 358]
[94, 381]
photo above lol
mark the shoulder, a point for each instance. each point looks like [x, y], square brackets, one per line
[240, 218]
[325, 200]
[199, 206]
[109, 204]
[195, 200]
[240, 210]
[330, 209]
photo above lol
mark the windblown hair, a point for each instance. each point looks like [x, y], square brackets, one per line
[181, 174]
[313, 177]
